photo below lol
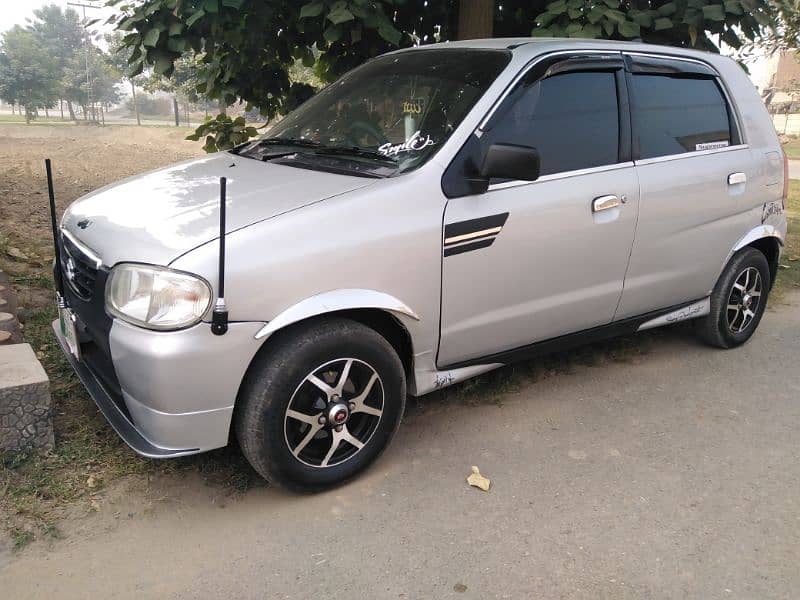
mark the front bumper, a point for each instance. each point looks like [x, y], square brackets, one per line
[176, 390]
[109, 405]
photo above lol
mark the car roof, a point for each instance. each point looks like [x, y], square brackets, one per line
[531, 47]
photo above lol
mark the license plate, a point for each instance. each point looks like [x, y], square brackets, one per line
[68, 330]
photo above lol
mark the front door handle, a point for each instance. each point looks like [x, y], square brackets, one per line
[735, 178]
[605, 203]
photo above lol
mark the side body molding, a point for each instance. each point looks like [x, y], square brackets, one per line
[334, 300]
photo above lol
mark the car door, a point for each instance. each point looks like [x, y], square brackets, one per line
[693, 170]
[528, 261]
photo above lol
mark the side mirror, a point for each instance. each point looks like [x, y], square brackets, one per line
[511, 161]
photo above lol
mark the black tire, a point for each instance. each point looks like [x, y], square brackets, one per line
[726, 328]
[282, 375]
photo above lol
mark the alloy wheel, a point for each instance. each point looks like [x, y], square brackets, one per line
[744, 300]
[334, 412]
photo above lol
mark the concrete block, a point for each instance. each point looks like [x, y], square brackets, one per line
[26, 414]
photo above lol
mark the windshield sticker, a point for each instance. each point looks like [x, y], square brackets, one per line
[414, 106]
[711, 145]
[415, 143]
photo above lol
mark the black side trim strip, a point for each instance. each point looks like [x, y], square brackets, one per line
[566, 342]
[473, 225]
[484, 243]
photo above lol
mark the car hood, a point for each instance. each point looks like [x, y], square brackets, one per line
[158, 216]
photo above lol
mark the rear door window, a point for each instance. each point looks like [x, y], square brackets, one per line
[572, 119]
[674, 115]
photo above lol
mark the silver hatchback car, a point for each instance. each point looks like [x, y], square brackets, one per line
[434, 214]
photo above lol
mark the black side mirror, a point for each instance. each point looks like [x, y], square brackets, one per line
[511, 161]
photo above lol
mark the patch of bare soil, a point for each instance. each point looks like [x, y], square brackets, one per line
[84, 159]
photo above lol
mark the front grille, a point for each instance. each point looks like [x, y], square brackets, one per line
[78, 269]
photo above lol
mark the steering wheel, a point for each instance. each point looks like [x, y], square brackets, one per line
[359, 128]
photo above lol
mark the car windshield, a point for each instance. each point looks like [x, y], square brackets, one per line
[393, 112]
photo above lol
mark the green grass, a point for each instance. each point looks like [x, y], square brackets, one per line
[19, 119]
[789, 271]
[792, 148]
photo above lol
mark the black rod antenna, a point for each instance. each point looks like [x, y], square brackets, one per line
[57, 277]
[219, 318]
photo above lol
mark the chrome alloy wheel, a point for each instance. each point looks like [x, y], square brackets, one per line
[744, 299]
[334, 412]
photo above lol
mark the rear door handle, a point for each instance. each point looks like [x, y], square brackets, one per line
[605, 203]
[735, 178]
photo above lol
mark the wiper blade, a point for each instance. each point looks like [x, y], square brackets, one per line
[276, 141]
[266, 157]
[354, 151]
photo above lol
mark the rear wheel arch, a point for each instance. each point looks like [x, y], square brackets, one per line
[770, 247]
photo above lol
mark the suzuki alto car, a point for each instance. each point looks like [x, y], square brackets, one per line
[434, 214]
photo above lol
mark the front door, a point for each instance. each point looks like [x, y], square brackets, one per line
[528, 261]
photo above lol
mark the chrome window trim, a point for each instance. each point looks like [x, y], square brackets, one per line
[83, 248]
[563, 175]
[670, 157]
[722, 84]
[524, 71]
[479, 131]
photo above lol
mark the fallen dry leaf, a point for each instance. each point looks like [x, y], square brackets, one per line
[16, 254]
[477, 480]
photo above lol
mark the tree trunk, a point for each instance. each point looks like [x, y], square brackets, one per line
[102, 114]
[46, 113]
[85, 112]
[61, 105]
[176, 111]
[475, 19]
[135, 104]
[71, 111]
[12, 108]
[222, 107]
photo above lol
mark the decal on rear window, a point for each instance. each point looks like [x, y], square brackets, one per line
[711, 145]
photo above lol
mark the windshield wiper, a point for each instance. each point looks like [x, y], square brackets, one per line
[276, 141]
[354, 151]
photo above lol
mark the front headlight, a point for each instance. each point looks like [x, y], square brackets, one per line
[156, 298]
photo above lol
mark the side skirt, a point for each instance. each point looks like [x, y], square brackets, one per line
[657, 318]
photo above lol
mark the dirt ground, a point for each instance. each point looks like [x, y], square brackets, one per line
[646, 467]
[675, 474]
[84, 158]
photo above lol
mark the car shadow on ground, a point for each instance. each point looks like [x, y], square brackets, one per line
[227, 466]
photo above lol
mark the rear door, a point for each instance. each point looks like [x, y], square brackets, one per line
[694, 172]
[528, 261]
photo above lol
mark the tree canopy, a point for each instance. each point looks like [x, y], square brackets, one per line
[49, 59]
[246, 48]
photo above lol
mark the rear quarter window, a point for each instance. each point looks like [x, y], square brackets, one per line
[674, 115]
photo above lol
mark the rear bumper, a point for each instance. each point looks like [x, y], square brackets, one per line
[109, 404]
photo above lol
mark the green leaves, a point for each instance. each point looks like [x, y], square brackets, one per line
[715, 12]
[340, 14]
[629, 29]
[661, 24]
[195, 17]
[312, 9]
[151, 39]
[223, 133]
